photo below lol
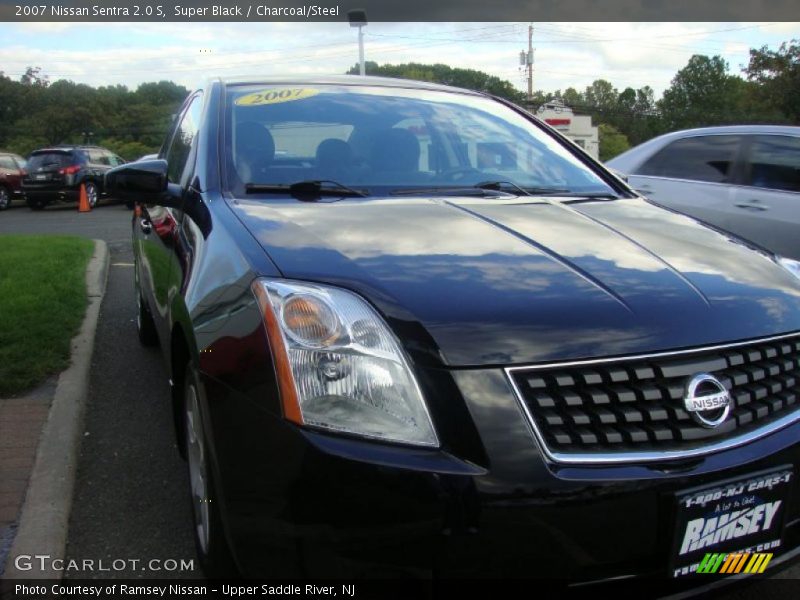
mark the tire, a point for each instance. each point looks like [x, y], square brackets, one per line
[91, 193]
[209, 536]
[145, 326]
[5, 197]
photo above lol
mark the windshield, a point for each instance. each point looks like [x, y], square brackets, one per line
[385, 140]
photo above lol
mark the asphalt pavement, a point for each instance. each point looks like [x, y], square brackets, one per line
[131, 502]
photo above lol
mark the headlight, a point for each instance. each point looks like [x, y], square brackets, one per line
[338, 365]
[793, 266]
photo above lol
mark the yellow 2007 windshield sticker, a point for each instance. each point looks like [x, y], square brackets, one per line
[275, 96]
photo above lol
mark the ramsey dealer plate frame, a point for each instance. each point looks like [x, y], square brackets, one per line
[745, 514]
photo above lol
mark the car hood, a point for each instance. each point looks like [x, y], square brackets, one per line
[466, 281]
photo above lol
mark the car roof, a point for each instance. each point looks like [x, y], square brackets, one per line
[632, 159]
[66, 148]
[729, 129]
[388, 82]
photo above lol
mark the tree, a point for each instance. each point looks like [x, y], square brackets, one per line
[777, 73]
[573, 97]
[161, 93]
[33, 76]
[36, 113]
[438, 73]
[61, 113]
[612, 142]
[703, 93]
[636, 115]
[601, 96]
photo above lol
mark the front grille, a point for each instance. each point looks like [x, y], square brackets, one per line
[631, 408]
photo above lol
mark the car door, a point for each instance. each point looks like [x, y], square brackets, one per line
[693, 175]
[766, 209]
[156, 227]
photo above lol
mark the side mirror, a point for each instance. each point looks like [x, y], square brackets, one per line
[141, 181]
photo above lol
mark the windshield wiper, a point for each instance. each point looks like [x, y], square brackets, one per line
[500, 184]
[306, 190]
[592, 195]
[452, 190]
[566, 193]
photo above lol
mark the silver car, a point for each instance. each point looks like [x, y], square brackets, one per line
[744, 179]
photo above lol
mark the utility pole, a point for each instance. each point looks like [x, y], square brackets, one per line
[530, 63]
[526, 62]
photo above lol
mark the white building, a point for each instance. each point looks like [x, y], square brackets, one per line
[578, 128]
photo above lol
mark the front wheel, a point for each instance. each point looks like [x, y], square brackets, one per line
[212, 548]
[5, 198]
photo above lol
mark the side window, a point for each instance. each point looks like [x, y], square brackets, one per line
[775, 162]
[185, 134]
[701, 158]
[7, 163]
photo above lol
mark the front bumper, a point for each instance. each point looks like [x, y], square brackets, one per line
[304, 503]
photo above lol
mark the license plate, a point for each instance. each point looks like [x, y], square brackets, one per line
[736, 516]
[40, 177]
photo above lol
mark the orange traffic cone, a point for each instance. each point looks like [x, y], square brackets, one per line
[83, 203]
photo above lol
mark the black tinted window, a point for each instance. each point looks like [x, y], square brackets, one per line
[775, 162]
[49, 160]
[182, 140]
[702, 158]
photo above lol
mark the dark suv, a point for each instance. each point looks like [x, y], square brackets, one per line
[11, 171]
[57, 174]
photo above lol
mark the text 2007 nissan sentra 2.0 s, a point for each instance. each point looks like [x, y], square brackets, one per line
[412, 330]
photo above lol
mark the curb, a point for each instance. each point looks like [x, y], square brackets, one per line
[44, 518]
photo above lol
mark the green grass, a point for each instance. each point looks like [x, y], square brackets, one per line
[42, 304]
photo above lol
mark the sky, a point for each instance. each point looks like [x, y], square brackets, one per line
[565, 54]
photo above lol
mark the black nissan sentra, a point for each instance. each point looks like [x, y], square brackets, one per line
[413, 331]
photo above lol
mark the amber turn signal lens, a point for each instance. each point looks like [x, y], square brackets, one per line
[289, 400]
[310, 320]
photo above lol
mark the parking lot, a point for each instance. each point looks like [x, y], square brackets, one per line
[131, 496]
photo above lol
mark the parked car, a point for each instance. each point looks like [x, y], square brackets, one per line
[57, 173]
[393, 354]
[744, 179]
[11, 171]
